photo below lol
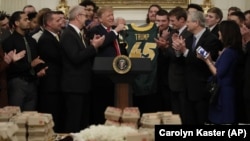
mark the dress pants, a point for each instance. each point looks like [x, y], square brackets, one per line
[23, 92]
[77, 111]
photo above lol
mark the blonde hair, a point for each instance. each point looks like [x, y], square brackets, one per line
[103, 9]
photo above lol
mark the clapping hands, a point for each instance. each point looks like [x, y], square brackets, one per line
[178, 43]
[12, 56]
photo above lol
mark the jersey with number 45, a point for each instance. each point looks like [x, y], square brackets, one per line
[141, 44]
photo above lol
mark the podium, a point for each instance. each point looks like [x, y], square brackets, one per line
[123, 93]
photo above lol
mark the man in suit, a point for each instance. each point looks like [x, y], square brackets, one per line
[49, 50]
[176, 74]
[77, 58]
[108, 49]
[36, 34]
[103, 90]
[163, 96]
[213, 18]
[196, 71]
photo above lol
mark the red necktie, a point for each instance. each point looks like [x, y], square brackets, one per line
[118, 52]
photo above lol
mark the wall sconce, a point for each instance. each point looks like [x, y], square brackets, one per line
[207, 4]
[63, 6]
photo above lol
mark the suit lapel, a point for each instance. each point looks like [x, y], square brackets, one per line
[185, 33]
[103, 30]
[202, 38]
[77, 36]
[47, 33]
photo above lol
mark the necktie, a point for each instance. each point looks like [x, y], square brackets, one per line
[28, 54]
[177, 32]
[116, 45]
[80, 34]
[194, 43]
[57, 38]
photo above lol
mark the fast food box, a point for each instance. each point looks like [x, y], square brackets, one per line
[21, 137]
[150, 123]
[51, 123]
[173, 120]
[13, 109]
[5, 115]
[38, 138]
[13, 138]
[131, 114]
[21, 132]
[150, 120]
[151, 115]
[130, 124]
[165, 114]
[138, 137]
[110, 123]
[7, 130]
[20, 120]
[150, 131]
[113, 113]
[38, 120]
[41, 119]
[42, 130]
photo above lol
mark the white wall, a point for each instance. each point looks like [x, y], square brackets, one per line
[225, 4]
[13, 5]
[139, 15]
[132, 15]
[52, 4]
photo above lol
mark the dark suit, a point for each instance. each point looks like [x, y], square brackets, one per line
[176, 78]
[176, 67]
[103, 90]
[215, 30]
[163, 91]
[49, 90]
[246, 90]
[76, 79]
[107, 49]
[197, 73]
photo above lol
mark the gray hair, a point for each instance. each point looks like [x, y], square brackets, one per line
[74, 11]
[199, 17]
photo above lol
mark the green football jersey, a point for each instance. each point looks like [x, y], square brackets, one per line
[141, 44]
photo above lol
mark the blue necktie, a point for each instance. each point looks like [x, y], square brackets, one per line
[194, 43]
